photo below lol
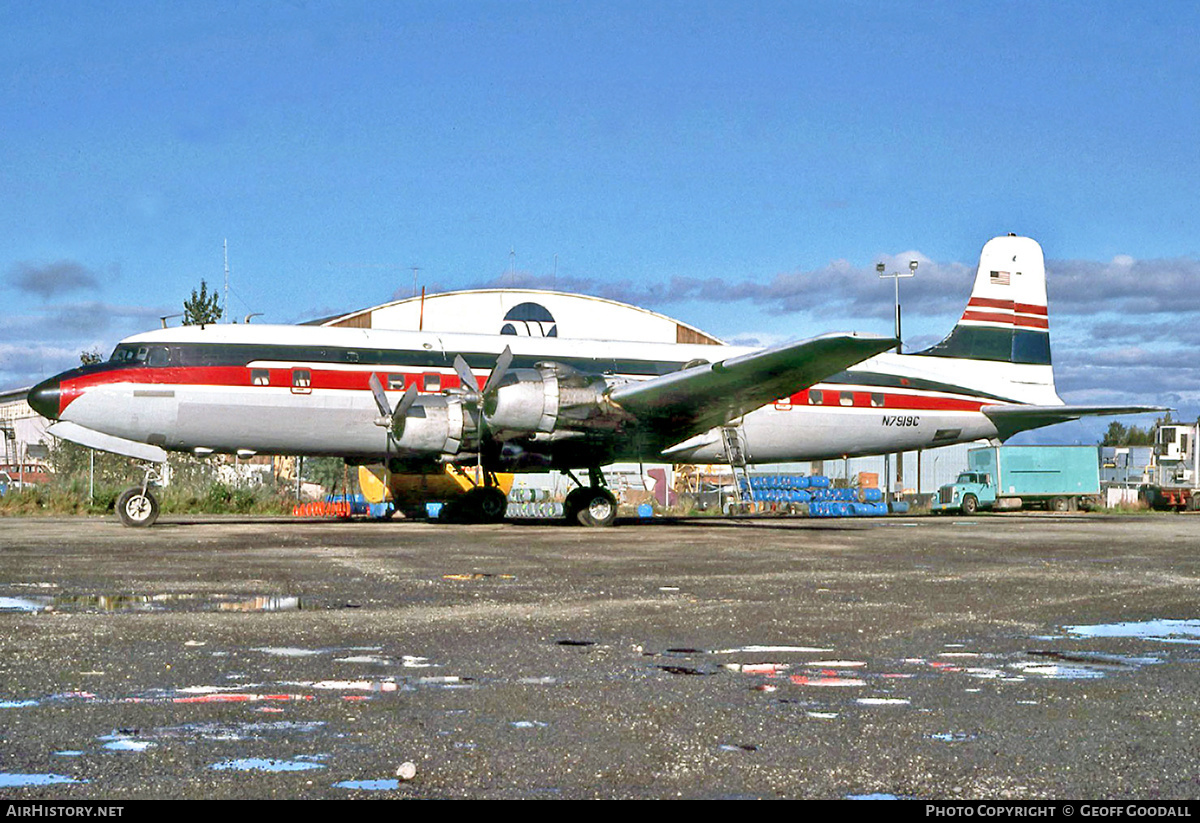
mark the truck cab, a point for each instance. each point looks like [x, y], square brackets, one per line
[971, 492]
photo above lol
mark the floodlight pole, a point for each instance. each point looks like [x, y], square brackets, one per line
[895, 278]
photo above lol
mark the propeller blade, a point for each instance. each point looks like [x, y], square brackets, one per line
[498, 371]
[406, 402]
[470, 385]
[385, 408]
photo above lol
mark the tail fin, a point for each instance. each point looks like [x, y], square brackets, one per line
[1006, 320]
[1002, 342]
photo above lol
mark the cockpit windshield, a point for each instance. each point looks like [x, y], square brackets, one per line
[131, 354]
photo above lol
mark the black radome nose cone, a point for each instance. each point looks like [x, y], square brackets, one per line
[44, 398]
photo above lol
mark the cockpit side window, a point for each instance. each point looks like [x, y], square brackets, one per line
[158, 356]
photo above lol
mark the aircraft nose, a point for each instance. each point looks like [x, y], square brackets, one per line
[44, 398]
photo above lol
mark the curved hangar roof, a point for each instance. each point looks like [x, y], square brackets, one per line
[525, 313]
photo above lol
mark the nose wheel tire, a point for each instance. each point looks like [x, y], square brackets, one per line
[137, 508]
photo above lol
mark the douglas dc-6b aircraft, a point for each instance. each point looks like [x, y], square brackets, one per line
[417, 400]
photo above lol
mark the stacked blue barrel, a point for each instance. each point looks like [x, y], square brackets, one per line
[814, 496]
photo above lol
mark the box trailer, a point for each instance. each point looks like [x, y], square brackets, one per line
[1176, 470]
[1060, 478]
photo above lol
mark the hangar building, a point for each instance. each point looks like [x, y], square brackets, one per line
[524, 313]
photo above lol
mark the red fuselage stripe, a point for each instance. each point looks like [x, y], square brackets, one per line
[281, 378]
[832, 398]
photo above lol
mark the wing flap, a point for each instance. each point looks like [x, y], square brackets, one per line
[690, 401]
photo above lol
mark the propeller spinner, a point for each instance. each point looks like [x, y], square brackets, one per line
[387, 416]
[471, 393]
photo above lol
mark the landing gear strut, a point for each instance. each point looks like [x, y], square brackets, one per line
[592, 505]
[137, 507]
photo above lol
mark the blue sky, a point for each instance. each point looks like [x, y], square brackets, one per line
[651, 147]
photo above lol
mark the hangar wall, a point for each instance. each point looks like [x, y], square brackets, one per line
[525, 313]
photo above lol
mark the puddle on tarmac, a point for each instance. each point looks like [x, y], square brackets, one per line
[953, 737]
[239, 731]
[13, 780]
[528, 724]
[364, 658]
[869, 684]
[288, 651]
[1084, 665]
[1163, 631]
[25, 604]
[369, 785]
[773, 650]
[478, 576]
[149, 603]
[689, 671]
[123, 742]
[260, 764]
[827, 681]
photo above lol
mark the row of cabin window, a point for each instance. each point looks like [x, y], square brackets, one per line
[302, 379]
[816, 397]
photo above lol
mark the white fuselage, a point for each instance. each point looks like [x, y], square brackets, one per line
[304, 390]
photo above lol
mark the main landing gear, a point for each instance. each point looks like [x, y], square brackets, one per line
[137, 507]
[592, 505]
[483, 504]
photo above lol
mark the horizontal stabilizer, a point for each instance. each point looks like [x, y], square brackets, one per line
[1010, 420]
[690, 401]
[106, 442]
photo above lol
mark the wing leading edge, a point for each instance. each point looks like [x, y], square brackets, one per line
[1010, 420]
[685, 403]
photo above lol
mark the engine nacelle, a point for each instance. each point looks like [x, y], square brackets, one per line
[435, 424]
[527, 400]
[549, 398]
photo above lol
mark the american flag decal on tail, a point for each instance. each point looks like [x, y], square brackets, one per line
[1001, 278]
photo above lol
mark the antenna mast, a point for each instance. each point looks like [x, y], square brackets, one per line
[226, 304]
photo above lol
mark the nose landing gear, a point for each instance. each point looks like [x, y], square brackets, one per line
[137, 507]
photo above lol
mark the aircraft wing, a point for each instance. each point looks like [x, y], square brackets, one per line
[1010, 420]
[685, 403]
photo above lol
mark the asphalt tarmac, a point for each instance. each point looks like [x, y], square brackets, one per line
[1013, 656]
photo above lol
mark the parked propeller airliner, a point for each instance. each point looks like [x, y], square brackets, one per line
[417, 400]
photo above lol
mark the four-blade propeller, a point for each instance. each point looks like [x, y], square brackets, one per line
[470, 387]
[388, 416]
[469, 390]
